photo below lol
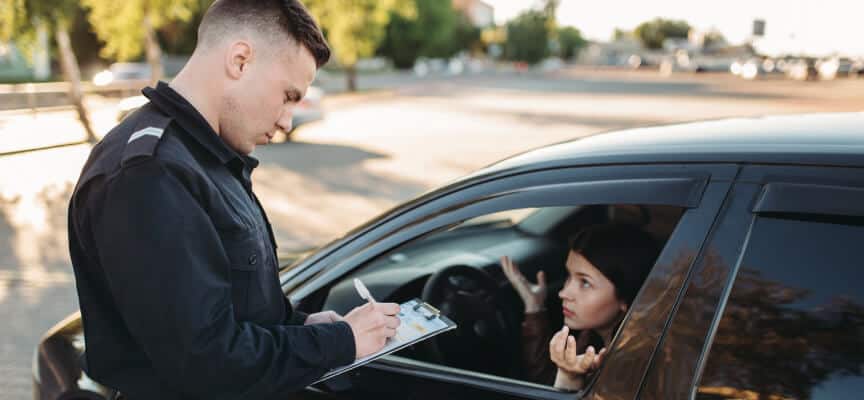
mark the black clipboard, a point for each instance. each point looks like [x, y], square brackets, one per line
[418, 321]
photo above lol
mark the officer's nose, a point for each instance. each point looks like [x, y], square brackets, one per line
[285, 120]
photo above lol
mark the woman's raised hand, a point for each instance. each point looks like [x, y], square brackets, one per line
[572, 367]
[533, 295]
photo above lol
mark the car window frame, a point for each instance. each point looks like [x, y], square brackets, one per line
[755, 191]
[792, 215]
[620, 180]
[477, 187]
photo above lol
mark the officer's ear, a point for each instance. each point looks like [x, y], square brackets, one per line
[239, 55]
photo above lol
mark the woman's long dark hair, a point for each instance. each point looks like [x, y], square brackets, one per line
[624, 254]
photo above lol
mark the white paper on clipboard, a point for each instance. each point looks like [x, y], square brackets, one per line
[418, 321]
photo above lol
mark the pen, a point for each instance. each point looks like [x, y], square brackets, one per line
[363, 291]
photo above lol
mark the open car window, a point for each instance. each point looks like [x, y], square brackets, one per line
[474, 291]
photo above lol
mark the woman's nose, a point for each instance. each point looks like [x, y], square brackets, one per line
[563, 294]
[570, 291]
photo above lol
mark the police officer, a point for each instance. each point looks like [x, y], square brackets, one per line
[174, 258]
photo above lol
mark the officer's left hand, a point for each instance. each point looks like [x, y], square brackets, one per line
[323, 317]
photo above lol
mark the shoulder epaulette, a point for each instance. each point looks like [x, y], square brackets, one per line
[143, 142]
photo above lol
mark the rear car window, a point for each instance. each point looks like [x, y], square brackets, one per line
[793, 327]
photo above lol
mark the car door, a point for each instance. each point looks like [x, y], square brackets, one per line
[699, 189]
[774, 306]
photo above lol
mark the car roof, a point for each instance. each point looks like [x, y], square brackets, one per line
[835, 139]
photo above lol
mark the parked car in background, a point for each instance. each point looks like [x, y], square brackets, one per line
[838, 67]
[138, 71]
[857, 70]
[758, 292]
[754, 68]
[309, 109]
[802, 69]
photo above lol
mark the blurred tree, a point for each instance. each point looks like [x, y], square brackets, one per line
[21, 19]
[550, 10]
[527, 37]
[620, 34]
[466, 36]
[714, 39]
[13, 15]
[571, 41]
[654, 32]
[85, 43]
[180, 37]
[356, 28]
[129, 27]
[438, 31]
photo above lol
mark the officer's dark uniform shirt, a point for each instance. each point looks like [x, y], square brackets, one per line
[176, 269]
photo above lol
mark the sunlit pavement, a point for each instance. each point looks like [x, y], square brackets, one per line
[371, 152]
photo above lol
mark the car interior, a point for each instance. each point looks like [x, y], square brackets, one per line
[457, 270]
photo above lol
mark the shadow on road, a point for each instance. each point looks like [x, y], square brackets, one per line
[336, 168]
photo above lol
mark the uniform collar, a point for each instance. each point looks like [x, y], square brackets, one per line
[194, 124]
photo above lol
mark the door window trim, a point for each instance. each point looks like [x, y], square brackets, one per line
[811, 199]
[666, 184]
[447, 197]
[655, 191]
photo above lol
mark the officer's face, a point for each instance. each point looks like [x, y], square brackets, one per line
[262, 98]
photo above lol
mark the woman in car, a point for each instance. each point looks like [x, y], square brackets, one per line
[606, 266]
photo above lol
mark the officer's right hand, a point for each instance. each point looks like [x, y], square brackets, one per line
[372, 324]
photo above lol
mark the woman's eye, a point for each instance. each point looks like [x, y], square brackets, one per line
[585, 284]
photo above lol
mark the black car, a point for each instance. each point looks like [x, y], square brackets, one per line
[757, 293]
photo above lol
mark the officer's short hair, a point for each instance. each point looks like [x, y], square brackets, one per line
[269, 17]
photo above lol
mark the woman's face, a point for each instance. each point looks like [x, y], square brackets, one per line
[588, 297]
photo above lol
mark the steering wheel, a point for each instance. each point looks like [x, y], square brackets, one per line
[486, 337]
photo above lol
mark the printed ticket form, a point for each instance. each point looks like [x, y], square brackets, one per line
[418, 321]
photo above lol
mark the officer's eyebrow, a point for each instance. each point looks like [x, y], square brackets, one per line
[293, 95]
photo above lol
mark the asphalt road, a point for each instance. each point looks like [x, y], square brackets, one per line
[372, 151]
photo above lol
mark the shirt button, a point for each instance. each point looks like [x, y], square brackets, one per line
[253, 259]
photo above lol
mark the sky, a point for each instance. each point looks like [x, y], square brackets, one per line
[824, 26]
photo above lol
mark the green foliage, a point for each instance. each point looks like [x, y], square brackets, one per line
[466, 36]
[654, 32]
[438, 31]
[714, 39]
[16, 27]
[528, 37]
[119, 24]
[19, 20]
[13, 15]
[19, 16]
[180, 37]
[550, 9]
[571, 41]
[355, 28]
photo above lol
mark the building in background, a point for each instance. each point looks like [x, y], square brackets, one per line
[478, 12]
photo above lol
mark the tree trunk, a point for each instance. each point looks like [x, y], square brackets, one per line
[154, 52]
[351, 76]
[69, 66]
